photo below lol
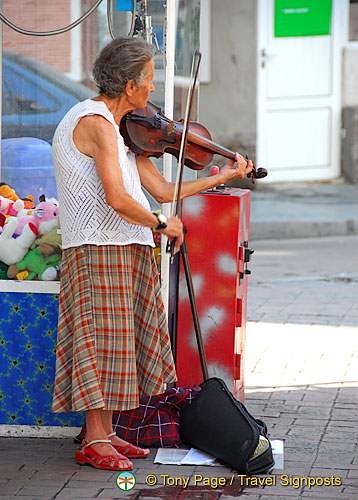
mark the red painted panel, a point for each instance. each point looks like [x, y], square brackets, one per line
[217, 227]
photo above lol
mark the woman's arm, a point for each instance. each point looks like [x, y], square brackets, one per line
[163, 191]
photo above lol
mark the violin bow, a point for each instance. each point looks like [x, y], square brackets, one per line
[176, 206]
[177, 211]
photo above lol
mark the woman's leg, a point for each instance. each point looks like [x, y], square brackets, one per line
[108, 427]
[97, 428]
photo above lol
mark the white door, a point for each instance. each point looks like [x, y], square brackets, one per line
[299, 88]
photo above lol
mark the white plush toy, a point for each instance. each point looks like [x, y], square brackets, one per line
[13, 250]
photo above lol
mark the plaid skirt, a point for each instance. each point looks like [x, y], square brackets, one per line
[113, 344]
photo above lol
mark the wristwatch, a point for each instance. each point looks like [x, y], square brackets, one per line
[162, 222]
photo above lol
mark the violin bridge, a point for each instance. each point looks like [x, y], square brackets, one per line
[171, 127]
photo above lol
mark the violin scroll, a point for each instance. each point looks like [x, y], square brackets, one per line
[259, 173]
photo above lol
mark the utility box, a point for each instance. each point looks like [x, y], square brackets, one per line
[217, 238]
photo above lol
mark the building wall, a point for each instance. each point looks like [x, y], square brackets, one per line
[72, 52]
[349, 150]
[350, 75]
[228, 101]
[37, 15]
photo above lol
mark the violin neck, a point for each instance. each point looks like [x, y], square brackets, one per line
[210, 145]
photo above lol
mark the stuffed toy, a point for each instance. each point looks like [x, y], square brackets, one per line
[41, 263]
[44, 218]
[12, 250]
[29, 202]
[9, 207]
[52, 238]
[7, 192]
[3, 271]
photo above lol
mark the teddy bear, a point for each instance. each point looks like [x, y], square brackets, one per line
[41, 263]
[12, 250]
[52, 238]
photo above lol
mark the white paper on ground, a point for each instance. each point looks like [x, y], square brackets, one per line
[175, 456]
[277, 451]
[170, 456]
[198, 457]
[180, 456]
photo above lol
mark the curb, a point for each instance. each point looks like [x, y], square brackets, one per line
[38, 431]
[283, 229]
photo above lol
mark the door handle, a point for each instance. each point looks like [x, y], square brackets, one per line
[263, 58]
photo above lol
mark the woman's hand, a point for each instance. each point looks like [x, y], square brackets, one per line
[241, 169]
[174, 230]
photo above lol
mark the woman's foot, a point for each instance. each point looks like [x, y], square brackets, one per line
[127, 449]
[104, 448]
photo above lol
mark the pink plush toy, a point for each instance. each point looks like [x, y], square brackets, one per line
[9, 207]
[44, 218]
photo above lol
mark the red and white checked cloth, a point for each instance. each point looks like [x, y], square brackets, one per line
[155, 423]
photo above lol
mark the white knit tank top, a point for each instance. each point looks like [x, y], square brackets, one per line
[85, 217]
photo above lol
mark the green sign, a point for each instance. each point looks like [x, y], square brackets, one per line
[302, 17]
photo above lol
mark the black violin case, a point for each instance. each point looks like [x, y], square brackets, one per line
[218, 424]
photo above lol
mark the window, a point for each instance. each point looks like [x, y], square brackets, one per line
[30, 96]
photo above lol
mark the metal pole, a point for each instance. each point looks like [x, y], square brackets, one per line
[169, 49]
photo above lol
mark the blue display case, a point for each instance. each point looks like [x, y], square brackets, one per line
[28, 332]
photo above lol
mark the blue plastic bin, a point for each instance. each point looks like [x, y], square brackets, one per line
[27, 167]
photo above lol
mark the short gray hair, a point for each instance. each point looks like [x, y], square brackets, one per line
[120, 61]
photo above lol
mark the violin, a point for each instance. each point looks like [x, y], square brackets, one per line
[148, 132]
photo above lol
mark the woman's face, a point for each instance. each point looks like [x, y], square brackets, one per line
[141, 93]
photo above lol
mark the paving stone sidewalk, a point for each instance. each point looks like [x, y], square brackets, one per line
[307, 397]
[301, 378]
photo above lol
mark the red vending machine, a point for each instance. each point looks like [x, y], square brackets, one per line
[217, 239]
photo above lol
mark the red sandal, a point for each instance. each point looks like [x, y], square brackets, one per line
[129, 450]
[87, 455]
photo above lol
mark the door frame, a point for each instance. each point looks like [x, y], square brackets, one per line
[339, 33]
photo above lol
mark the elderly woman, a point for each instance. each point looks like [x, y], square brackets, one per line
[113, 343]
